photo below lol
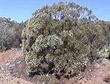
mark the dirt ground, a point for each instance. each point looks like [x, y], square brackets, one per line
[98, 74]
[10, 65]
[12, 71]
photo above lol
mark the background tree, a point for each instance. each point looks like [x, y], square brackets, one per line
[10, 34]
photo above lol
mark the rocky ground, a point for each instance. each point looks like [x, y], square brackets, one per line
[99, 73]
[12, 67]
[12, 71]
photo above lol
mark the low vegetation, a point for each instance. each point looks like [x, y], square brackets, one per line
[10, 34]
[62, 39]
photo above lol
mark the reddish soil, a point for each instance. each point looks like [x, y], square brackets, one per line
[11, 67]
[9, 55]
[99, 73]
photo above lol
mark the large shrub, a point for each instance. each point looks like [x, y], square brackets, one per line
[10, 34]
[63, 38]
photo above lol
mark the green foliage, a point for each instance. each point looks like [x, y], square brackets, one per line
[63, 38]
[10, 34]
[105, 52]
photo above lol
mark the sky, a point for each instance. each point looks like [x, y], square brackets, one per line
[21, 10]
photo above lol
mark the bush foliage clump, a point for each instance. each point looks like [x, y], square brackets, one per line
[62, 38]
[10, 34]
